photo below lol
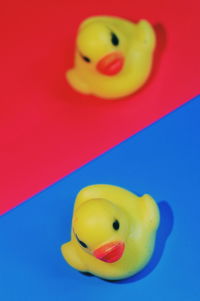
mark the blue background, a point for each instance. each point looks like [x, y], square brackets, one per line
[162, 160]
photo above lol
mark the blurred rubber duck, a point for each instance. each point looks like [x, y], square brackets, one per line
[113, 232]
[113, 57]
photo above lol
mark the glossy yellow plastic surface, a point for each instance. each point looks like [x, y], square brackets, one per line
[113, 57]
[113, 232]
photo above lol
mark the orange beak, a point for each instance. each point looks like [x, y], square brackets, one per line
[111, 64]
[110, 252]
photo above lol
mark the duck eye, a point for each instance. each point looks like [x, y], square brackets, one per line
[114, 39]
[81, 242]
[116, 225]
[86, 59]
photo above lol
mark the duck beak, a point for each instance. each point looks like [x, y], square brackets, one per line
[111, 64]
[110, 252]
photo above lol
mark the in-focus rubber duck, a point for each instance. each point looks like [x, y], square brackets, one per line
[113, 57]
[113, 232]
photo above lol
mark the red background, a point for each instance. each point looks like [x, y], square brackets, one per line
[49, 130]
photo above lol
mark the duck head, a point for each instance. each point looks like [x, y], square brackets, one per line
[102, 48]
[101, 229]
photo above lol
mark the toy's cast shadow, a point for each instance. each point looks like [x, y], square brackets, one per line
[164, 230]
[161, 41]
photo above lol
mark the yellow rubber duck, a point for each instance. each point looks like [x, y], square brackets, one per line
[113, 232]
[113, 57]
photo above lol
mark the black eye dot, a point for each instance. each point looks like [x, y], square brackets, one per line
[81, 242]
[116, 225]
[114, 39]
[86, 59]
